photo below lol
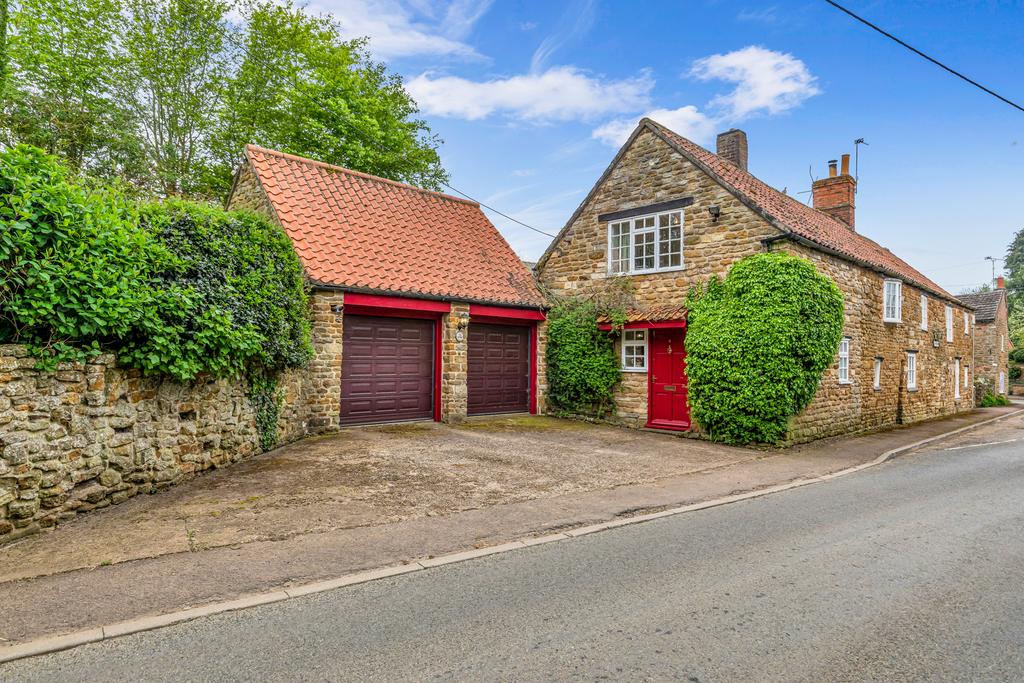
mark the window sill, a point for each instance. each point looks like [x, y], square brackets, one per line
[657, 271]
[846, 383]
[892, 321]
[636, 370]
[912, 390]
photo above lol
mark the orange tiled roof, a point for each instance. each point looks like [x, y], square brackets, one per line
[358, 231]
[797, 217]
[649, 315]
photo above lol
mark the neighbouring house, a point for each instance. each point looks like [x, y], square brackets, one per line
[421, 309]
[667, 214]
[992, 337]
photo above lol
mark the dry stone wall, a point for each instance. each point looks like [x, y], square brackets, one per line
[650, 172]
[95, 434]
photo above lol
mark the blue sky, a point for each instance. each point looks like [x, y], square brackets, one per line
[531, 99]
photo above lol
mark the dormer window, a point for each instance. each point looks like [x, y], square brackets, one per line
[893, 301]
[646, 244]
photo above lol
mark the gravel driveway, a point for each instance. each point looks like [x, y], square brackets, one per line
[367, 476]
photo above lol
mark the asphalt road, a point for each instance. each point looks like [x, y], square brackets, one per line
[913, 570]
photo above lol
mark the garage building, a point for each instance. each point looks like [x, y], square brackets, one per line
[422, 311]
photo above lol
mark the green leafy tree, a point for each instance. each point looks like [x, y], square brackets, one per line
[302, 89]
[1014, 267]
[175, 62]
[60, 94]
[757, 344]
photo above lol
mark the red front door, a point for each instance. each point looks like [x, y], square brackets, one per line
[667, 395]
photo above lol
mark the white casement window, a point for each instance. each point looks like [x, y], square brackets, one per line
[647, 244]
[949, 323]
[967, 377]
[924, 312]
[634, 350]
[1002, 382]
[911, 370]
[956, 379]
[878, 374]
[967, 323]
[844, 361]
[893, 301]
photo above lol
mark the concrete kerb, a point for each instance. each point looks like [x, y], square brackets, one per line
[57, 643]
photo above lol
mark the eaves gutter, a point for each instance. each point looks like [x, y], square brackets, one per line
[327, 287]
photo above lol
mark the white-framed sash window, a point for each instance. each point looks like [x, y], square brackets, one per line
[924, 312]
[911, 370]
[646, 244]
[878, 374]
[949, 323]
[634, 350]
[893, 301]
[956, 379]
[844, 361]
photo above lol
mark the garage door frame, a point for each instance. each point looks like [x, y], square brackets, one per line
[519, 317]
[381, 306]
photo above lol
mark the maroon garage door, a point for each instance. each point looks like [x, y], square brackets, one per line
[499, 369]
[387, 369]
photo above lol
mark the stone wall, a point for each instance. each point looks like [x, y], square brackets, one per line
[992, 349]
[91, 435]
[650, 171]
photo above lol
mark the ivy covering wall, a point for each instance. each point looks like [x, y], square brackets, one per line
[758, 342]
[582, 366]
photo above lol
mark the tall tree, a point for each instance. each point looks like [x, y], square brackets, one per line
[176, 61]
[1014, 267]
[302, 89]
[60, 87]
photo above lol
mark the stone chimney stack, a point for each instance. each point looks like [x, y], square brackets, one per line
[835, 194]
[732, 146]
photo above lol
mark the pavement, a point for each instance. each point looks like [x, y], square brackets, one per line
[907, 571]
[81, 598]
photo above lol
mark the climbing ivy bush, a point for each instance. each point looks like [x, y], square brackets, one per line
[757, 344]
[582, 366]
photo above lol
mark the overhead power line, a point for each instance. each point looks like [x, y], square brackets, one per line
[491, 208]
[921, 54]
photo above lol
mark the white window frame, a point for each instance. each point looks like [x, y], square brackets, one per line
[956, 379]
[844, 361]
[878, 374]
[897, 315]
[924, 312]
[949, 323]
[967, 324]
[634, 344]
[1002, 343]
[967, 377]
[912, 370]
[1002, 381]
[615, 254]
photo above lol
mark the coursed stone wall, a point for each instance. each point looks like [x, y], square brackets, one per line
[94, 434]
[650, 172]
[992, 350]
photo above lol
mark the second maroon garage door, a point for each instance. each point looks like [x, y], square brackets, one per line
[387, 369]
[499, 369]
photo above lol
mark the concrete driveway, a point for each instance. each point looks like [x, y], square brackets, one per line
[364, 477]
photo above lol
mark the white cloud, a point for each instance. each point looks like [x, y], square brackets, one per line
[558, 94]
[766, 80]
[576, 21]
[688, 121]
[410, 29]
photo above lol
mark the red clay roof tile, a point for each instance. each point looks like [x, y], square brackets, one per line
[358, 231]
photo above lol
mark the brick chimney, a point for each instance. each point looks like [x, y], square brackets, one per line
[732, 146]
[835, 195]
[1000, 282]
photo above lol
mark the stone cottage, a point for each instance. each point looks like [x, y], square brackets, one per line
[421, 310]
[992, 337]
[667, 214]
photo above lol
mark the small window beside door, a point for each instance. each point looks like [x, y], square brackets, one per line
[634, 350]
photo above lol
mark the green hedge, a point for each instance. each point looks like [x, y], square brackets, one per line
[173, 288]
[757, 344]
[582, 366]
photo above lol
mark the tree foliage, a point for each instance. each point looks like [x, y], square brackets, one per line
[582, 366]
[757, 344]
[165, 93]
